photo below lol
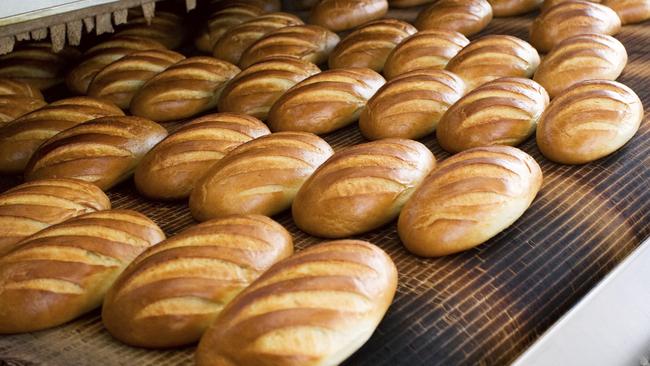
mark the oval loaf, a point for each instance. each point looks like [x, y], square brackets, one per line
[630, 11]
[551, 3]
[407, 3]
[509, 8]
[340, 15]
[165, 28]
[9, 86]
[36, 64]
[224, 18]
[464, 16]
[18, 98]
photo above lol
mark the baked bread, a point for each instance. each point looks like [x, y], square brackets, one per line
[33, 206]
[104, 151]
[20, 138]
[36, 64]
[174, 290]
[325, 102]
[187, 88]
[410, 105]
[165, 28]
[120, 80]
[509, 8]
[428, 49]
[222, 19]
[370, 44]
[579, 58]
[64, 271]
[307, 42]
[172, 168]
[10, 86]
[464, 16]
[259, 177]
[502, 112]
[572, 18]
[588, 121]
[492, 57]
[17, 98]
[630, 11]
[468, 199]
[407, 3]
[550, 3]
[361, 188]
[340, 15]
[254, 90]
[265, 5]
[314, 308]
[237, 39]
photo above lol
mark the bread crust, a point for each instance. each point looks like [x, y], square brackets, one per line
[340, 15]
[464, 16]
[36, 64]
[630, 11]
[509, 8]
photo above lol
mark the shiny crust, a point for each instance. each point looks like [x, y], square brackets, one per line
[225, 18]
[120, 80]
[165, 28]
[630, 11]
[495, 56]
[33, 206]
[369, 45]
[410, 105]
[314, 308]
[36, 64]
[509, 8]
[189, 87]
[464, 16]
[170, 170]
[325, 102]
[14, 106]
[19, 88]
[407, 3]
[173, 291]
[104, 151]
[340, 15]
[501, 112]
[20, 138]
[307, 42]
[64, 271]
[254, 90]
[588, 121]
[569, 19]
[550, 3]
[361, 188]
[580, 58]
[259, 177]
[469, 198]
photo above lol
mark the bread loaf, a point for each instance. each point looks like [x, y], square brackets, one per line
[464, 16]
[36, 64]
[254, 90]
[172, 168]
[104, 151]
[165, 28]
[508, 8]
[17, 98]
[370, 44]
[120, 80]
[325, 102]
[550, 3]
[33, 206]
[407, 3]
[225, 17]
[428, 49]
[188, 87]
[569, 19]
[307, 42]
[501, 112]
[469, 198]
[410, 105]
[579, 58]
[64, 271]
[265, 5]
[314, 308]
[361, 188]
[173, 291]
[237, 39]
[340, 15]
[588, 121]
[10, 86]
[259, 177]
[630, 11]
[20, 138]
[495, 56]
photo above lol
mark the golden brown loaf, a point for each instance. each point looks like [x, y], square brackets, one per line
[224, 18]
[237, 39]
[10, 86]
[569, 19]
[120, 80]
[36, 64]
[550, 3]
[502, 112]
[469, 198]
[340, 15]
[64, 271]
[259, 177]
[189, 87]
[314, 308]
[166, 28]
[174, 290]
[266, 5]
[20, 138]
[508, 8]
[369, 45]
[33, 206]
[588, 121]
[17, 98]
[307, 42]
[325, 102]
[630, 11]
[104, 151]
[254, 90]
[428, 49]
[170, 170]
[407, 3]
[410, 105]
[495, 56]
[579, 58]
[361, 188]
[464, 16]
